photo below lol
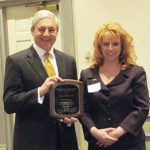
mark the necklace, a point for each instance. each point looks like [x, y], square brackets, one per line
[107, 75]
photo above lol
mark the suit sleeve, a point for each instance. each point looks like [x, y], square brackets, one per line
[15, 97]
[140, 108]
[70, 68]
[74, 69]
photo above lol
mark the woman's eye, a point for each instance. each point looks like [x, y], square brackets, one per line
[115, 44]
[106, 44]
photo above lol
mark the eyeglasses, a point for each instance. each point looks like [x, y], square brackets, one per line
[43, 29]
[114, 44]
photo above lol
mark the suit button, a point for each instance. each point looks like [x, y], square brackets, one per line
[109, 119]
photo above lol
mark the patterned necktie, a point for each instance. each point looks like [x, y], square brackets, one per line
[49, 66]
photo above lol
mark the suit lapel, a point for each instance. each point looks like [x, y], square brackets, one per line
[36, 63]
[60, 63]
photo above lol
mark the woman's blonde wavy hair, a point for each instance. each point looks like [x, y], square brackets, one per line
[127, 56]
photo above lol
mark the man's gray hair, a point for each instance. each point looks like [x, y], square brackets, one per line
[44, 14]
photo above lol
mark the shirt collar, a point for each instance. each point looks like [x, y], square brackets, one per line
[41, 51]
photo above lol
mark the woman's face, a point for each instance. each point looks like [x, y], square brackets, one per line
[111, 48]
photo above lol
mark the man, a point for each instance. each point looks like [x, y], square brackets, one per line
[26, 90]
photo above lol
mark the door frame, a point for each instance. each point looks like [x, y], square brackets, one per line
[6, 3]
[3, 54]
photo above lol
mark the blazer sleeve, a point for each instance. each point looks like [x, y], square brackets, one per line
[134, 121]
[15, 97]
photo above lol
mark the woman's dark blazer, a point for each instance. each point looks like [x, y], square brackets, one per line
[123, 102]
[34, 128]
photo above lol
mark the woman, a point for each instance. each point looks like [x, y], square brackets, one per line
[116, 95]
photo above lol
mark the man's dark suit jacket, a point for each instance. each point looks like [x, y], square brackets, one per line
[123, 102]
[34, 128]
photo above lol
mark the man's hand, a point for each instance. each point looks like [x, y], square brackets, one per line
[69, 120]
[48, 83]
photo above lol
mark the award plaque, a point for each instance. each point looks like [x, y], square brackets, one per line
[66, 99]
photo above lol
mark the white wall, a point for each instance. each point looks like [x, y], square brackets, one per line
[132, 14]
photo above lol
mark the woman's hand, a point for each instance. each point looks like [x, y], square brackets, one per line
[103, 137]
[118, 132]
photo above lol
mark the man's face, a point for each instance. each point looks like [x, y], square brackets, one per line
[45, 33]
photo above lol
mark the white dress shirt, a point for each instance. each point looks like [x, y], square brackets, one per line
[41, 53]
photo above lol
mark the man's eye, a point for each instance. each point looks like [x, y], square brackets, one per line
[42, 29]
[50, 30]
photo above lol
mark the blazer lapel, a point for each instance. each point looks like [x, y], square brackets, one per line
[93, 77]
[36, 63]
[121, 77]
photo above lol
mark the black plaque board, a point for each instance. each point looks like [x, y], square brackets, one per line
[66, 99]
